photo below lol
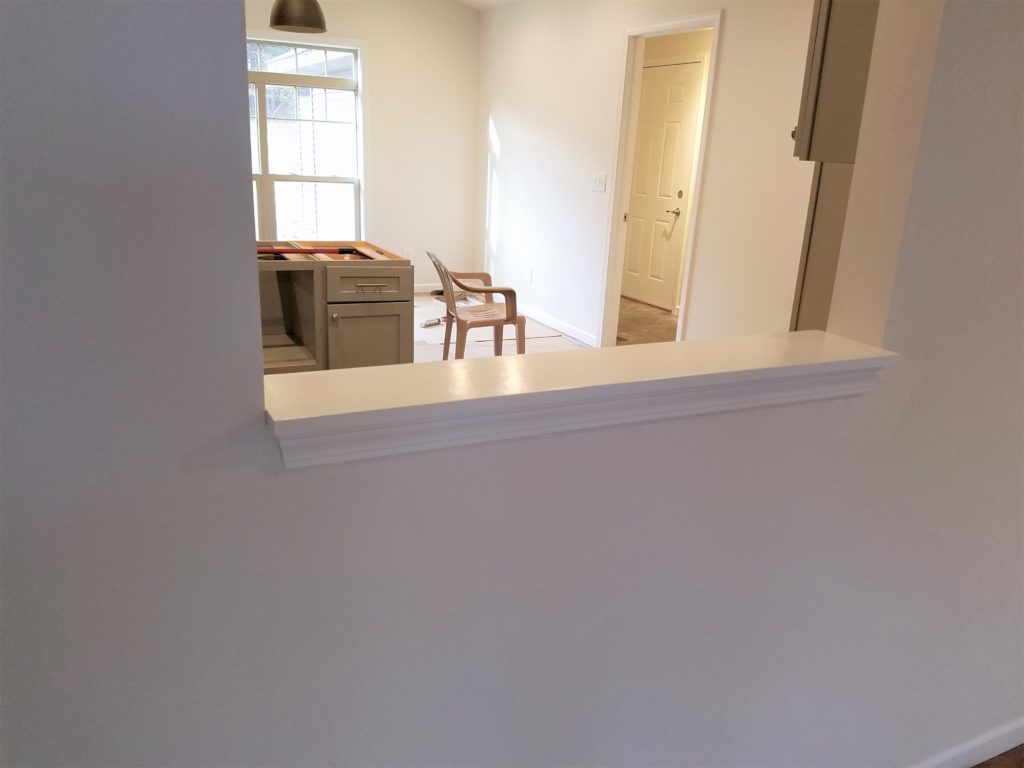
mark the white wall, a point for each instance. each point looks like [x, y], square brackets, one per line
[552, 81]
[421, 133]
[823, 584]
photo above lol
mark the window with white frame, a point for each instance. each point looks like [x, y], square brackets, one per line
[304, 137]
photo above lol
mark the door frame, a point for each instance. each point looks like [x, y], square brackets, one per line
[629, 112]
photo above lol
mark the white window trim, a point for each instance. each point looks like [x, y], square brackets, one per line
[333, 417]
[264, 180]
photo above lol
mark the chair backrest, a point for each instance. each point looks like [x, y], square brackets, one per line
[446, 283]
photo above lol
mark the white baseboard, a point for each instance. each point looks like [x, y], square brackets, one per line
[562, 327]
[978, 749]
[426, 287]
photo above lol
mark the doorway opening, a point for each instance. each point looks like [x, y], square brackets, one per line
[664, 130]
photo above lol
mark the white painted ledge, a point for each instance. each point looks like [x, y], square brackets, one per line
[329, 417]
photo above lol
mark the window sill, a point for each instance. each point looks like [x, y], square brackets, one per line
[331, 417]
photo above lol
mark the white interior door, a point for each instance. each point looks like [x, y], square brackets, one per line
[663, 161]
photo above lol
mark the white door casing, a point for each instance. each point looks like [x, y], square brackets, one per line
[656, 236]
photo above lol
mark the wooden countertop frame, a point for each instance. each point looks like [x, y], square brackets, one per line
[310, 250]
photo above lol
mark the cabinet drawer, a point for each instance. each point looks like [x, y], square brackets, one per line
[369, 283]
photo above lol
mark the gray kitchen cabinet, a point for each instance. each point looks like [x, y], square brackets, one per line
[333, 305]
[369, 333]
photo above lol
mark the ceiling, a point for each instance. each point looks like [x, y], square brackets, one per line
[484, 4]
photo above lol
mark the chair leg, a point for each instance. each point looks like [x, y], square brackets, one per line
[461, 332]
[520, 335]
[499, 333]
[447, 335]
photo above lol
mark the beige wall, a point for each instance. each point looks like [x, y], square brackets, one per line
[835, 583]
[420, 130]
[552, 80]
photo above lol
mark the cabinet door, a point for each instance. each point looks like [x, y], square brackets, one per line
[838, 58]
[369, 334]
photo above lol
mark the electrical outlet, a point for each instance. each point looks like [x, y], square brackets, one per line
[600, 183]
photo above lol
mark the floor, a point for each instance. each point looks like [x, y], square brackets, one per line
[1012, 759]
[428, 343]
[641, 323]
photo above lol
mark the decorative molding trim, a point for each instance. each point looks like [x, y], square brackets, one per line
[682, 24]
[559, 325]
[980, 748]
[426, 287]
[310, 438]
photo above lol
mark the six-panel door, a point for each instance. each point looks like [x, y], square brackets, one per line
[669, 103]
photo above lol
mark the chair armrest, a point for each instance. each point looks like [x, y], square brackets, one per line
[508, 293]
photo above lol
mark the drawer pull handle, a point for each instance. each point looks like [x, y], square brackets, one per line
[371, 285]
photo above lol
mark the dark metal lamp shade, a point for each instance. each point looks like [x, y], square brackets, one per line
[297, 16]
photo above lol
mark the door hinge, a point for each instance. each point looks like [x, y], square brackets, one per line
[625, 217]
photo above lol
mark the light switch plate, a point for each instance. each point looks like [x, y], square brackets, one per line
[600, 183]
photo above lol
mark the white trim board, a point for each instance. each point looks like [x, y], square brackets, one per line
[332, 417]
[559, 325]
[979, 749]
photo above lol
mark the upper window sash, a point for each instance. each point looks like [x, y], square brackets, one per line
[303, 81]
[276, 57]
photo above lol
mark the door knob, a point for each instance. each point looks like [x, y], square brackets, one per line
[674, 212]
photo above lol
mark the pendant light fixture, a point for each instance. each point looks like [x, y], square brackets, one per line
[297, 16]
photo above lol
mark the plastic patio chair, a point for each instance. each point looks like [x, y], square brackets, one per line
[489, 314]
